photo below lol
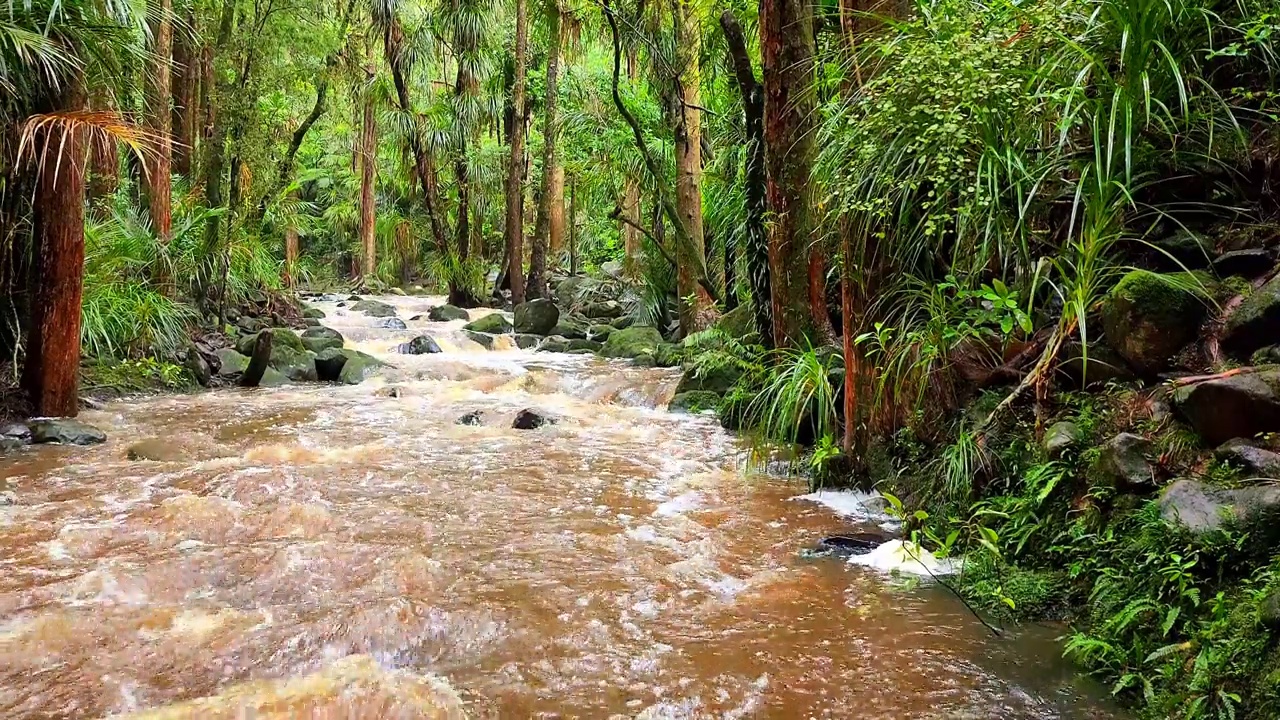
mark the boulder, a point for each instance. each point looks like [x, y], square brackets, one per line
[311, 322]
[536, 317]
[1199, 508]
[358, 367]
[694, 401]
[485, 340]
[578, 345]
[421, 345]
[272, 377]
[17, 431]
[1093, 369]
[525, 341]
[669, 355]
[1236, 406]
[1269, 611]
[391, 323]
[1060, 437]
[531, 419]
[319, 339]
[1123, 460]
[555, 343]
[1255, 323]
[599, 333]
[1148, 317]
[374, 308]
[624, 322]
[473, 418]
[313, 313]
[718, 380]
[1253, 460]
[9, 445]
[494, 324]
[297, 366]
[1189, 250]
[65, 431]
[447, 313]
[1248, 263]
[632, 342]
[603, 310]
[571, 327]
[230, 362]
[329, 364]
[739, 323]
[572, 289]
[198, 367]
[281, 339]
[249, 325]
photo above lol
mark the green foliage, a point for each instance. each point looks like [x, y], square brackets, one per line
[142, 375]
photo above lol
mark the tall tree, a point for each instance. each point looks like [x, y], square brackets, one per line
[786, 50]
[185, 83]
[631, 195]
[694, 300]
[468, 31]
[368, 156]
[536, 287]
[158, 117]
[516, 161]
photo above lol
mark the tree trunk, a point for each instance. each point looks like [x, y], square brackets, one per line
[291, 251]
[515, 162]
[158, 115]
[630, 235]
[555, 235]
[259, 360]
[694, 315]
[786, 50]
[573, 226]
[104, 157]
[185, 84]
[536, 287]
[51, 370]
[368, 174]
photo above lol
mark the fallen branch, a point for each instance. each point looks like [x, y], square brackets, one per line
[1195, 379]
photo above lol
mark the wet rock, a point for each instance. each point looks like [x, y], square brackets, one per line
[524, 341]
[7, 498]
[17, 431]
[851, 544]
[230, 362]
[536, 317]
[603, 310]
[272, 377]
[354, 298]
[1124, 461]
[159, 450]
[494, 324]
[571, 327]
[329, 364]
[718, 380]
[1236, 406]
[393, 391]
[632, 342]
[311, 322]
[1255, 461]
[599, 333]
[587, 346]
[391, 323]
[531, 419]
[281, 339]
[624, 322]
[9, 445]
[374, 308]
[65, 431]
[484, 340]
[1248, 263]
[1060, 437]
[1148, 317]
[313, 313]
[694, 401]
[198, 367]
[555, 343]
[358, 367]
[1189, 251]
[421, 345]
[1255, 323]
[297, 366]
[342, 304]
[668, 355]
[319, 339]
[473, 418]
[447, 313]
[1199, 508]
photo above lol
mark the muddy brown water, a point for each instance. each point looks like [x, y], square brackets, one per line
[617, 564]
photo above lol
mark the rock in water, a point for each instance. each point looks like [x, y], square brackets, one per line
[329, 364]
[374, 308]
[494, 324]
[536, 317]
[1255, 323]
[578, 345]
[280, 338]
[555, 343]
[570, 327]
[421, 345]
[632, 342]
[259, 359]
[319, 339]
[18, 431]
[473, 418]
[447, 313]
[1148, 317]
[484, 340]
[1124, 460]
[599, 333]
[198, 367]
[718, 380]
[525, 341]
[65, 432]
[391, 323]
[230, 362]
[1236, 406]
[358, 367]
[313, 313]
[1199, 508]
[530, 419]
[694, 401]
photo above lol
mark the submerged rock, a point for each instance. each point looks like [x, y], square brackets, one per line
[536, 317]
[374, 308]
[447, 313]
[1255, 323]
[1200, 508]
[358, 367]
[313, 313]
[531, 419]
[1148, 317]
[494, 324]
[632, 342]
[421, 345]
[391, 323]
[473, 418]
[160, 450]
[1253, 460]
[1124, 460]
[230, 362]
[1236, 406]
[65, 431]
[319, 339]
[694, 401]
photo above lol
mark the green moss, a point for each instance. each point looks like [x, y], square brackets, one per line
[1011, 592]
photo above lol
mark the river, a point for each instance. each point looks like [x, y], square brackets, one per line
[619, 563]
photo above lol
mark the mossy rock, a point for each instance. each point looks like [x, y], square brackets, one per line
[313, 313]
[230, 361]
[554, 343]
[668, 355]
[739, 323]
[358, 367]
[374, 308]
[599, 333]
[280, 338]
[536, 317]
[272, 377]
[578, 344]
[525, 341]
[494, 324]
[572, 327]
[319, 339]
[718, 380]
[1148, 317]
[447, 313]
[1255, 323]
[1189, 250]
[297, 366]
[633, 342]
[694, 401]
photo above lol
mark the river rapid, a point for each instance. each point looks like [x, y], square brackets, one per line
[619, 563]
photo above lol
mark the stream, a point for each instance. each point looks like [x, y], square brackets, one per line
[619, 563]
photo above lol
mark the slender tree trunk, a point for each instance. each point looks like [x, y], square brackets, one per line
[158, 116]
[631, 240]
[516, 162]
[573, 226]
[104, 158]
[695, 302]
[291, 251]
[536, 287]
[786, 50]
[52, 366]
[368, 174]
[822, 330]
[555, 232]
[186, 88]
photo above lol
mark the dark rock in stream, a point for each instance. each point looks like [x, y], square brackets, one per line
[474, 418]
[447, 313]
[421, 345]
[850, 545]
[319, 339]
[494, 324]
[391, 323]
[17, 431]
[536, 317]
[374, 308]
[65, 432]
[531, 419]
[329, 364]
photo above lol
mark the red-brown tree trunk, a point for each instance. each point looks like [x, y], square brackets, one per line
[51, 370]
[555, 231]
[786, 50]
[515, 162]
[695, 302]
[536, 286]
[158, 115]
[186, 96]
[368, 153]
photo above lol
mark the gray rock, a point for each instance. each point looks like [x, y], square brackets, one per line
[1060, 436]
[296, 366]
[17, 431]
[603, 310]
[1147, 318]
[354, 298]
[230, 362]
[9, 445]
[1236, 406]
[473, 418]
[612, 268]
[447, 313]
[1124, 461]
[600, 333]
[572, 289]
[570, 327]
[1200, 508]
[632, 342]
[1253, 460]
[694, 401]
[65, 431]
[579, 345]
[494, 324]
[1255, 323]
[531, 419]
[358, 367]
[421, 345]
[1248, 263]
[313, 313]
[391, 323]
[281, 339]
[484, 340]
[555, 343]
[319, 339]
[329, 364]
[249, 325]
[374, 308]
[198, 367]
[524, 341]
[536, 317]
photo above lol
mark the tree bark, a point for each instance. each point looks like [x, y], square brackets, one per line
[786, 50]
[536, 286]
[185, 83]
[631, 198]
[466, 91]
[259, 359]
[104, 157]
[516, 162]
[756, 251]
[368, 151]
[158, 116]
[573, 226]
[50, 373]
[555, 236]
[695, 302]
